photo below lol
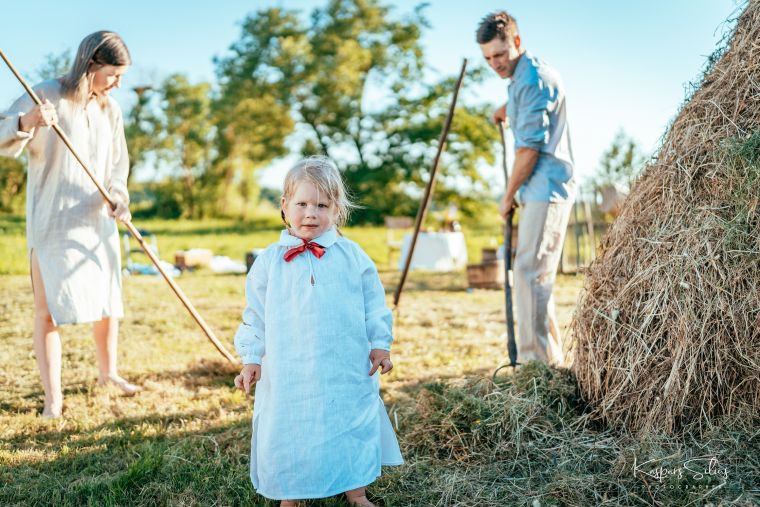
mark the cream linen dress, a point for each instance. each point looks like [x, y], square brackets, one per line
[68, 224]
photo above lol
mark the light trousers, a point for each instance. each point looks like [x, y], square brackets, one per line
[541, 234]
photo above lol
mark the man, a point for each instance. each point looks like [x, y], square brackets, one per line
[542, 173]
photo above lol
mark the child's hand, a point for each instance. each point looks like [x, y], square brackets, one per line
[380, 359]
[249, 375]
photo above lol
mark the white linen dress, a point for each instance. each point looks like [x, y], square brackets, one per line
[68, 224]
[319, 425]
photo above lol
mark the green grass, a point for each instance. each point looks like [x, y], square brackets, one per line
[229, 237]
[234, 238]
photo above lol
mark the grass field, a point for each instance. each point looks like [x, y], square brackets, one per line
[184, 440]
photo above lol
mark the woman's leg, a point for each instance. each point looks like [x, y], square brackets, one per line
[106, 334]
[47, 345]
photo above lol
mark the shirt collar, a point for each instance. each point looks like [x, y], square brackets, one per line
[522, 65]
[327, 239]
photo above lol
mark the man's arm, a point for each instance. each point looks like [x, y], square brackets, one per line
[525, 161]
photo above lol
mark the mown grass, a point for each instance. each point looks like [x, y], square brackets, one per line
[468, 441]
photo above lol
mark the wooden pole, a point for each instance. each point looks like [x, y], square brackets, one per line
[429, 189]
[131, 228]
[508, 277]
[590, 227]
[577, 230]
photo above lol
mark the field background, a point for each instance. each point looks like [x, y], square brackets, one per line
[185, 439]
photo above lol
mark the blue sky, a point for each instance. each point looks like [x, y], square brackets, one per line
[625, 64]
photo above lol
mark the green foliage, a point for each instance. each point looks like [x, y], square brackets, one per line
[183, 139]
[621, 163]
[319, 73]
[12, 184]
[271, 195]
[140, 129]
[54, 66]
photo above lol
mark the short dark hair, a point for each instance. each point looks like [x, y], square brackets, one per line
[497, 24]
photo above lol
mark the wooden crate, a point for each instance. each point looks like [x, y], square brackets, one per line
[488, 275]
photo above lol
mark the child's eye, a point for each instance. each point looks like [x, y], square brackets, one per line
[323, 205]
[300, 204]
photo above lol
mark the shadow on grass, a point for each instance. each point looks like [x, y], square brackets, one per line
[208, 373]
[134, 461]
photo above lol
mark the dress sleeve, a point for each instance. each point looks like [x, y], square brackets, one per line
[533, 104]
[249, 339]
[12, 140]
[117, 183]
[378, 317]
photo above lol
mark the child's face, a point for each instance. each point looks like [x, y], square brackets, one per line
[309, 213]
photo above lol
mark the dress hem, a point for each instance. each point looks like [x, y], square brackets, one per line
[312, 496]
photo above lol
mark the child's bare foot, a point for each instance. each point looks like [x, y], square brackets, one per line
[358, 497]
[361, 501]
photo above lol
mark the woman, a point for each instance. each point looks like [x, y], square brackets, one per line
[72, 238]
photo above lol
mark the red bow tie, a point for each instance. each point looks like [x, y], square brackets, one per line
[317, 249]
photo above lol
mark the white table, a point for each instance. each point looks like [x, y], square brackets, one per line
[435, 251]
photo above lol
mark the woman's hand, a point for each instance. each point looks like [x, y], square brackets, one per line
[121, 211]
[249, 375]
[380, 359]
[43, 115]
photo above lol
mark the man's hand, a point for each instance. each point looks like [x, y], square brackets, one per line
[380, 359]
[500, 115]
[507, 203]
[249, 375]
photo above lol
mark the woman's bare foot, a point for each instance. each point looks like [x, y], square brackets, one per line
[358, 497]
[126, 388]
[52, 411]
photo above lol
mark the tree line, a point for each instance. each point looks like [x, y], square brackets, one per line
[291, 84]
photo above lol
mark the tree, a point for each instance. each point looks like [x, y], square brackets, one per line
[620, 164]
[183, 138]
[12, 184]
[54, 66]
[314, 79]
[140, 128]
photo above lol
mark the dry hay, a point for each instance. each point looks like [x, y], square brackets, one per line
[524, 439]
[667, 330]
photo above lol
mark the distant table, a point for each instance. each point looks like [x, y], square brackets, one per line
[435, 251]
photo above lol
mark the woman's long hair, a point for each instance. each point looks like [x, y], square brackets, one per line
[99, 48]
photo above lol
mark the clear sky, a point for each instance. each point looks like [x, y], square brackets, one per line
[625, 64]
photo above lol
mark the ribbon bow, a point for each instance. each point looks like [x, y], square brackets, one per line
[315, 248]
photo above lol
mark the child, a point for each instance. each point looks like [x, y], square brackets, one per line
[315, 330]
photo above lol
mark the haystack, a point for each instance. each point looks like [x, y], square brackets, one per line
[667, 331]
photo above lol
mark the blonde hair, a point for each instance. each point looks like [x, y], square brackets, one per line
[323, 174]
[99, 48]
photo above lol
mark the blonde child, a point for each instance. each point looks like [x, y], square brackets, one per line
[315, 331]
